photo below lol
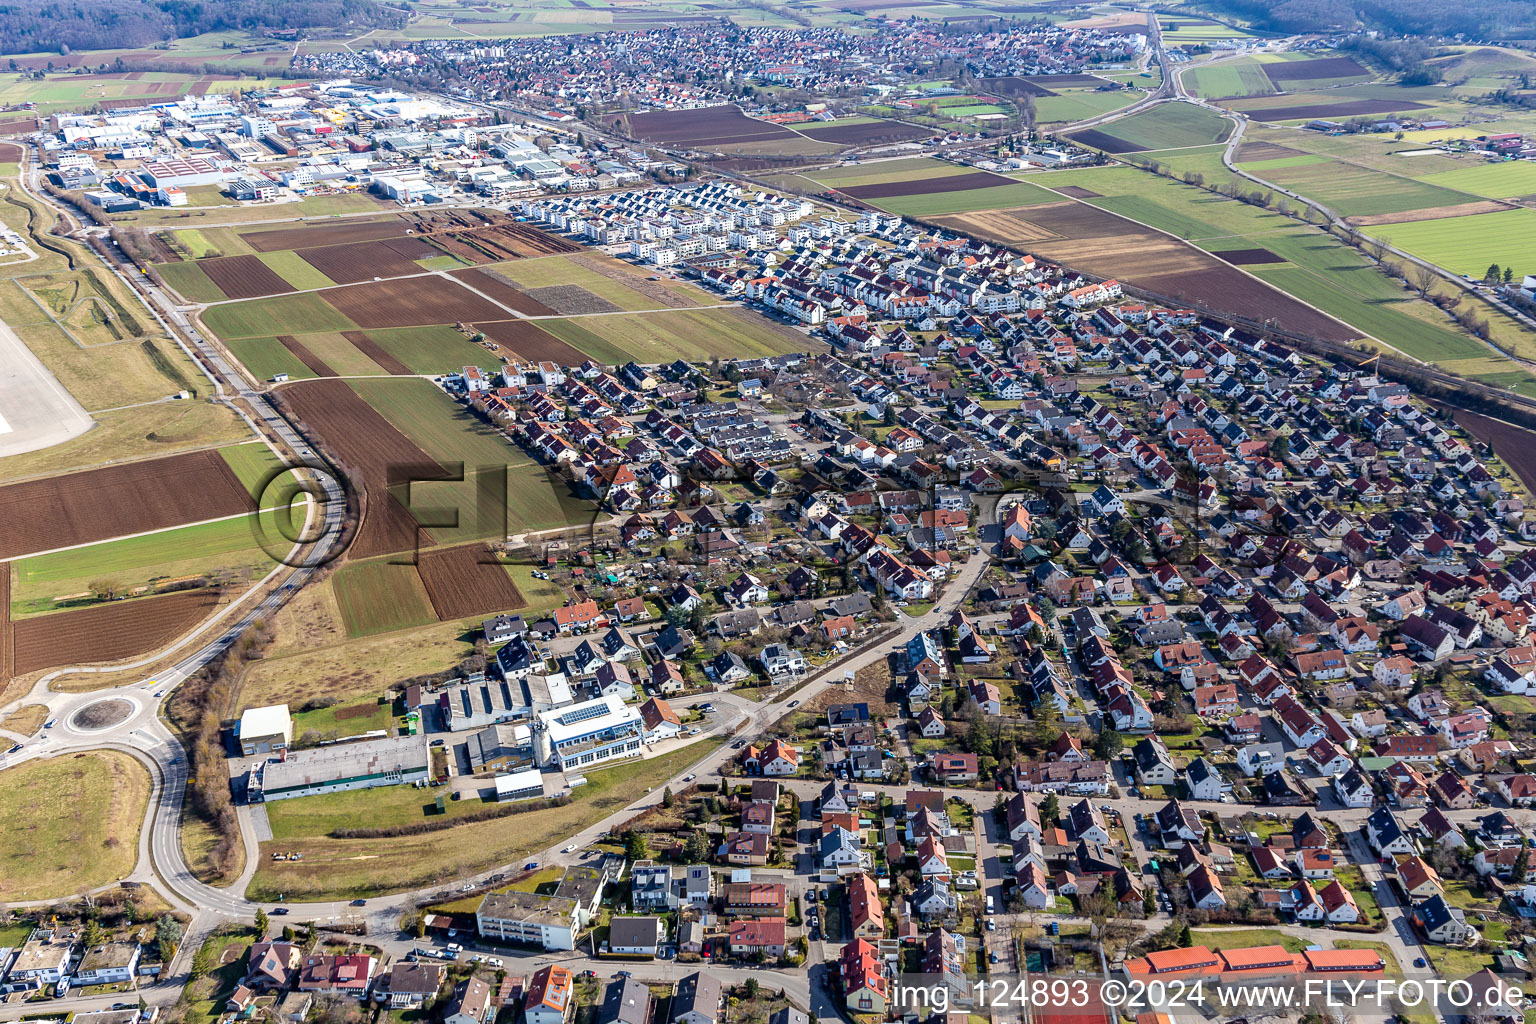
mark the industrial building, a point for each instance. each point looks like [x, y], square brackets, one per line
[342, 766]
[267, 730]
[588, 734]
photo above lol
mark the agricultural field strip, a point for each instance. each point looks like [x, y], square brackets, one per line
[514, 314]
[1240, 269]
[150, 533]
[308, 291]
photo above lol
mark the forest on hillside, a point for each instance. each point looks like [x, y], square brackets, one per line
[1475, 19]
[62, 26]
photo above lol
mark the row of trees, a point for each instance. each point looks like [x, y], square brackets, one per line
[197, 711]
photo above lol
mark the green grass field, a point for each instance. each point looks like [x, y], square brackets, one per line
[1178, 30]
[266, 357]
[253, 463]
[188, 279]
[346, 720]
[188, 216]
[88, 837]
[201, 242]
[938, 204]
[1432, 101]
[294, 269]
[534, 498]
[340, 354]
[1078, 105]
[380, 597]
[443, 428]
[283, 314]
[1354, 191]
[1241, 77]
[1467, 245]
[1170, 126]
[1495, 181]
[878, 172]
[677, 334]
[335, 868]
[1319, 269]
[224, 546]
[1280, 162]
[433, 349]
[1244, 938]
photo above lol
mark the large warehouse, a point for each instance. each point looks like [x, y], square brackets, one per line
[342, 766]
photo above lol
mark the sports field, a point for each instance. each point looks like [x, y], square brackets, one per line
[1467, 245]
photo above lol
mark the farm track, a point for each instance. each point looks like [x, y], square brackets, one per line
[502, 292]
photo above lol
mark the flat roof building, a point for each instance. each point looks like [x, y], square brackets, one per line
[343, 766]
[527, 784]
[589, 733]
[265, 730]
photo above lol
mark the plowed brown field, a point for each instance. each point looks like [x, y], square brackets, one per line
[79, 508]
[108, 632]
[369, 446]
[865, 134]
[467, 581]
[928, 186]
[352, 262]
[502, 292]
[415, 302]
[328, 234]
[532, 342]
[244, 277]
[1098, 242]
[373, 350]
[316, 365]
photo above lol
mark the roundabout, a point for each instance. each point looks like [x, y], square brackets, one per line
[101, 715]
